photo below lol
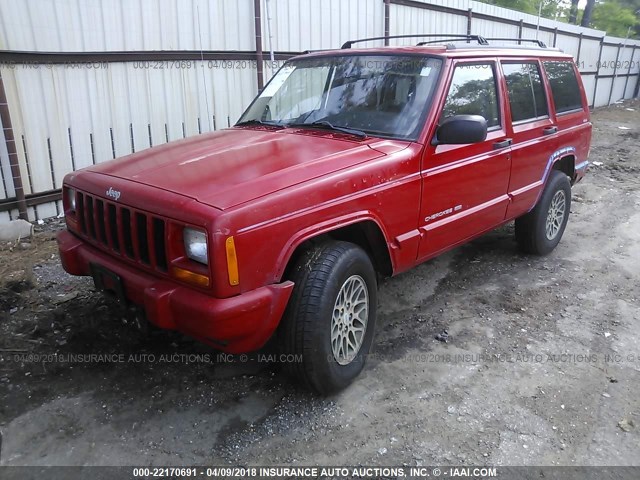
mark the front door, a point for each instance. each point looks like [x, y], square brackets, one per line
[464, 187]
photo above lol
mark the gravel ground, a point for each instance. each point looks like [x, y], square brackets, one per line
[541, 367]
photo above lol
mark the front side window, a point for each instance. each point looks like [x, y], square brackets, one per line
[526, 92]
[564, 86]
[385, 96]
[473, 92]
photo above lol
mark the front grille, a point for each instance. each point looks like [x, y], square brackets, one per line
[122, 230]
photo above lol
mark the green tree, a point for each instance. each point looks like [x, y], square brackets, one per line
[573, 12]
[588, 12]
[634, 6]
[631, 4]
[614, 18]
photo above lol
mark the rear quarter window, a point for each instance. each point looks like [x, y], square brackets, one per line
[564, 86]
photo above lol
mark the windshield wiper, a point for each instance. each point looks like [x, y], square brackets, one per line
[259, 122]
[330, 126]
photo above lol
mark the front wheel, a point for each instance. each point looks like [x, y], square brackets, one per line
[329, 323]
[540, 230]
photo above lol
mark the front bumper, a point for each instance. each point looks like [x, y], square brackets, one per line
[237, 324]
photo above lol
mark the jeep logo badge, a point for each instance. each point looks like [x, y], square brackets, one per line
[115, 194]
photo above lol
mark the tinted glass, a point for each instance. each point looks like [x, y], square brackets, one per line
[564, 86]
[473, 92]
[526, 92]
[384, 96]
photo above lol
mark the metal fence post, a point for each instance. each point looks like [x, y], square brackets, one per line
[595, 86]
[520, 27]
[579, 49]
[387, 20]
[259, 55]
[626, 80]
[5, 119]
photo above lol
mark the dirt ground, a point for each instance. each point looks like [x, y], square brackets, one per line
[542, 366]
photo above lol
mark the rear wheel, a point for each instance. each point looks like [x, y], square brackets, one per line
[329, 323]
[540, 230]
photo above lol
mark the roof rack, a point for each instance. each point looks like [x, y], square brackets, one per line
[540, 43]
[477, 38]
[444, 38]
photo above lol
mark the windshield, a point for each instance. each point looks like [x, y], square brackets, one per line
[384, 96]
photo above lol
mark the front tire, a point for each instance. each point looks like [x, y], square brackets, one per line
[540, 230]
[330, 320]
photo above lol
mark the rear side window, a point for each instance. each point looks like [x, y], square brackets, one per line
[564, 86]
[473, 92]
[526, 93]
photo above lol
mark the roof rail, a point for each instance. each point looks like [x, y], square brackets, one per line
[477, 38]
[307, 52]
[448, 42]
[451, 46]
[540, 43]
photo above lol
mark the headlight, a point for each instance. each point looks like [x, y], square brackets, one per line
[195, 244]
[71, 199]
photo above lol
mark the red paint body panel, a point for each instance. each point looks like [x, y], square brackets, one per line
[229, 167]
[272, 189]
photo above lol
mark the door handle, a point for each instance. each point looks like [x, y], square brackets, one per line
[502, 144]
[549, 130]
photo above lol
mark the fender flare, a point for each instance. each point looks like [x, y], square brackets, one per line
[554, 158]
[318, 229]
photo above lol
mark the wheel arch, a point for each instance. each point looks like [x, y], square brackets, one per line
[366, 232]
[567, 165]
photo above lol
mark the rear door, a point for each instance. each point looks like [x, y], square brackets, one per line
[465, 186]
[571, 111]
[532, 130]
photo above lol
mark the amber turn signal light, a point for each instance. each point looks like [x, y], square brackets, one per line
[232, 262]
[190, 277]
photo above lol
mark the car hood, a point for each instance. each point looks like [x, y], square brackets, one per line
[233, 166]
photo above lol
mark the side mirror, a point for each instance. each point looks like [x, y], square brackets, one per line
[460, 130]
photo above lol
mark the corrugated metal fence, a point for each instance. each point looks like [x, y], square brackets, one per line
[86, 81]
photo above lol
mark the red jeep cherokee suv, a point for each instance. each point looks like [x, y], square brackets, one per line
[349, 164]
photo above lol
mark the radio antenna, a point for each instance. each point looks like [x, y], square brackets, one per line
[204, 82]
